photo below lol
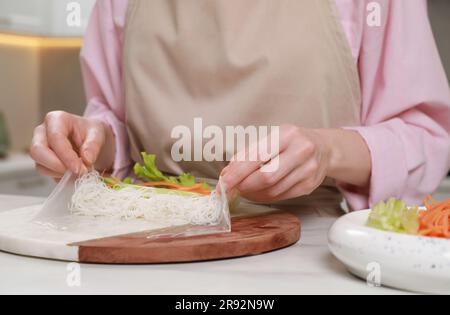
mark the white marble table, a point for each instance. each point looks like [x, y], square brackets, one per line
[306, 268]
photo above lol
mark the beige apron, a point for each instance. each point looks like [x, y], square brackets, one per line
[234, 62]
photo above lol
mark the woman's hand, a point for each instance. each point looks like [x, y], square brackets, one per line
[304, 159]
[69, 142]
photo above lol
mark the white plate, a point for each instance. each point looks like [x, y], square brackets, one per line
[419, 264]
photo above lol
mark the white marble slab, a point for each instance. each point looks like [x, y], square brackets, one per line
[20, 236]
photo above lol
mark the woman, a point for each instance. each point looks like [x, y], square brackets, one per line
[363, 107]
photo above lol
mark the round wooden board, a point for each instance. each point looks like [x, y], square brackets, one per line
[251, 235]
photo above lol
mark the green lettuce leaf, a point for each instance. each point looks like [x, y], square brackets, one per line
[150, 172]
[187, 180]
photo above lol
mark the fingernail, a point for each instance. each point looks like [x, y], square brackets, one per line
[88, 156]
[76, 167]
[224, 171]
[83, 169]
[228, 188]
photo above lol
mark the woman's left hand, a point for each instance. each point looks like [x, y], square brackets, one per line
[302, 163]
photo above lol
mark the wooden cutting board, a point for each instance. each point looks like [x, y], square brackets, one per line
[251, 235]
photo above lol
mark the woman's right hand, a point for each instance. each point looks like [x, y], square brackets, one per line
[69, 142]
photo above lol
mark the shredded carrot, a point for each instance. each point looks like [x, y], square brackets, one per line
[435, 221]
[198, 188]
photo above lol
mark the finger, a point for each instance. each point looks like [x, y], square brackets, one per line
[95, 139]
[304, 175]
[224, 171]
[41, 153]
[238, 171]
[301, 189]
[58, 130]
[262, 179]
[252, 159]
[42, 170]
[304, 188]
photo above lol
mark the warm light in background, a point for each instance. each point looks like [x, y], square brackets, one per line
[39, 42]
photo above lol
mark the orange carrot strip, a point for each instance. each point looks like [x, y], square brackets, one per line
[163, 184]
[435, 221]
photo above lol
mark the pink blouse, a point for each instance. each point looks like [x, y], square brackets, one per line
[406, 97]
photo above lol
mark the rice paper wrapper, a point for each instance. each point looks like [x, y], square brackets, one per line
[56, 214]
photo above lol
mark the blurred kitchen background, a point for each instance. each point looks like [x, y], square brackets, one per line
[40, 72]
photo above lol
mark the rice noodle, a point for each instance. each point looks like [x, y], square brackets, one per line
[94, 198]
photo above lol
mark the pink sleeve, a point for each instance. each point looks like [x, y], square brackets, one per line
[406, 106]
[101, 65]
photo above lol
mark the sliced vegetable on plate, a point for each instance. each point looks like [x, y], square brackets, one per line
[396, 216]
[435, 222]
